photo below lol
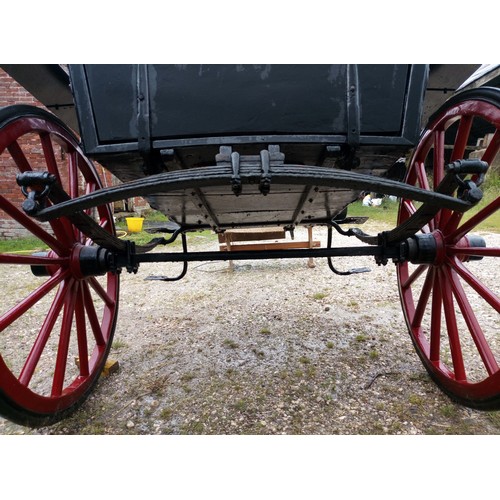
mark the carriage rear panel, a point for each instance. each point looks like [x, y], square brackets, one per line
[361, 117]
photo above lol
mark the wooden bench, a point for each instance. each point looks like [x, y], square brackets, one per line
[263, 235]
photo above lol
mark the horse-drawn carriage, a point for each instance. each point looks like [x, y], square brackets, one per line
[237, 146]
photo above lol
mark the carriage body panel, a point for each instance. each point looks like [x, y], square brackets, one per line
[319, 115]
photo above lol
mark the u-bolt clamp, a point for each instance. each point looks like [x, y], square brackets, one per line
[35, 186]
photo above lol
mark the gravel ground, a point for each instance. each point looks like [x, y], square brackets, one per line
[274, 347]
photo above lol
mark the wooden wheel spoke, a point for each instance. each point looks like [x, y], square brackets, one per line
[104, 223]
[31, 226]
[64, 338]
[492, 149]
[476, 251]
[451, 324]
[421, 175]
[17, 311]
[414, 276]
[438, 171]
[409, 207]
[19, 157]
[92, 316]
[474, 221]
[472, 323]
[423, 299]
[50, 157]
[451, 222]
[469, 278]
[30, 260]
[43, 336]
[461, 139]
[438, 157]
[436, 309]
[81, 334]
[101, 292]
[73, 174]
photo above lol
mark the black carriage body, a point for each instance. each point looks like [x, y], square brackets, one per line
[178, 116]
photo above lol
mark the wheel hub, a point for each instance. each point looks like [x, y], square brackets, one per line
[430, 248]
[86, 261]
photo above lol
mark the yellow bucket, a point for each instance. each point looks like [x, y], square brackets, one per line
[134, 224]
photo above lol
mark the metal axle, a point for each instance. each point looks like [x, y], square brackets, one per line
[390, 253]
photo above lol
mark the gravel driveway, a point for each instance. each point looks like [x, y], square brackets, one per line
[274, 347]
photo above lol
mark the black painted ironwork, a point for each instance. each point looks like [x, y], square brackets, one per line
[222, 175]
[355, 270]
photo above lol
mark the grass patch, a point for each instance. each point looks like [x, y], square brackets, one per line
[415, 399]
[187, 377]
[319, 296]
[311, 371]
[193, 428]
[387, 212]
[265, 331]
[28, 244]
[166, 414]
[329, 345]
[361, 338]
[230, 344]
[494, 418]
[241, 405]
[448, 411]
[118, 344]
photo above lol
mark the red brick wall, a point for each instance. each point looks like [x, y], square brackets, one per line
[12, 93]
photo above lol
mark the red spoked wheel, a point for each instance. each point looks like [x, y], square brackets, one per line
[56, 322]
[452, 306]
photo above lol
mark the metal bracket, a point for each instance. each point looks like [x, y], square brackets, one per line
[266, 159]
[153, 163]
[356, 270]
[184, 266]
[349, 160]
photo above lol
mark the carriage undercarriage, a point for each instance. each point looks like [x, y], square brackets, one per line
[65, 206]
